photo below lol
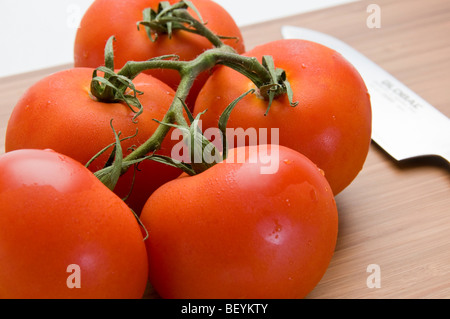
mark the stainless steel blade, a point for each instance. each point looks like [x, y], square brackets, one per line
[403, 123]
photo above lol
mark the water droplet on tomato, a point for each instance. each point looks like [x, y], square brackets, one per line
[277, 227]
[313, 195]
[287, 162]
[62, 158]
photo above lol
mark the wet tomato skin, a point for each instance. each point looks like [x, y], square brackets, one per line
[232, 232]
[58, 112]
[106, 18]
[332, 122]
[55, 213]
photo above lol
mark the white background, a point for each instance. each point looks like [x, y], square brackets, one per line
[36, 34]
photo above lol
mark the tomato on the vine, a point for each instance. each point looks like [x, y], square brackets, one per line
[64, 234]
[233, 232]
[118, 18]
[331, 124]
[59, 112]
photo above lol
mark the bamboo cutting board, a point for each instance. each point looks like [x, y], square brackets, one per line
[394, 216]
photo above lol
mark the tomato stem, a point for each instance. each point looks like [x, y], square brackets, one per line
[189, 70]
[269, 81]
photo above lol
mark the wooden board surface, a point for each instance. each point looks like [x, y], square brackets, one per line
[394, 215]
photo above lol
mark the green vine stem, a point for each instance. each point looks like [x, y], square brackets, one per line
[189, 70]
[270, 82]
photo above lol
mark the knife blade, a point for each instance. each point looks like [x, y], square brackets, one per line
[403, 123]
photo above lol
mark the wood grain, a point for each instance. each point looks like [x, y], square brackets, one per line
[395, 215]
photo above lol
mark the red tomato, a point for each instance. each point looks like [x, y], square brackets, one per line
[233, 232]
[332, 122]
[105, 18]
[59, 113]
[62, 227]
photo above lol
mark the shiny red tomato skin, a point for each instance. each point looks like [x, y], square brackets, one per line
[105, 18]
[56, 213]
[332, 122]
[59, 113]
[232, 232]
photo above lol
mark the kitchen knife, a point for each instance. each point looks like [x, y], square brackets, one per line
[403, 124]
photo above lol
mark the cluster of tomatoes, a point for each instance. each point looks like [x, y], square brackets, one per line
[232, 231]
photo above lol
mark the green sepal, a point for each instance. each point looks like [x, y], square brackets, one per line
[111, 87]
[223, 120]
[109, 176]
[202, 153]
[141, 224]
[278, 85]
[115, 165]
[191, 5]
[164, 21]
[148, 14]
[187, 168]
[188, 112]
[108, 147]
